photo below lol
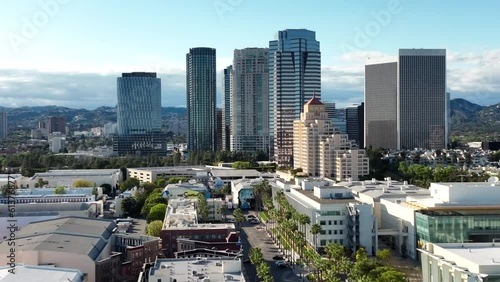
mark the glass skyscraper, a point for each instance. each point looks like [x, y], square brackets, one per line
[226, 108]
[139, 103]
[294, 77]
[201, 98]
[250, 100]
[139, 115]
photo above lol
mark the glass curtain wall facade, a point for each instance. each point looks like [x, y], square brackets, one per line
[201, 98]
[139, 115]
[456, 227]
[294, 77]
[226, 108]
[250, 100]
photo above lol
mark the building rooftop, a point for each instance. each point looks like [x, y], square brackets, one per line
[383, 188]
[172, 168]
[74, 243]
[482, 258]
[39, 274]
[325, 201]
[182, 214]
[314, 101]
[69, 225]
[216, 269]
[224, 173]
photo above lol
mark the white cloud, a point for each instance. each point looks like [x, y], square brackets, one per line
[473, 76]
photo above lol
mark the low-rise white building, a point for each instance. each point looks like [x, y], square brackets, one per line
[150, 174]
[202, 269]
[174, 191]
[54, 178]
[57, 142]
[343, 219]
[460, 262]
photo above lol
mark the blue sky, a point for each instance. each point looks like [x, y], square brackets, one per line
[69, 52]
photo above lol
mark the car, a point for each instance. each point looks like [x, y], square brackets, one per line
[251, 216]
[246, 261]
[279, 258]
[231, 220]
[281, 264]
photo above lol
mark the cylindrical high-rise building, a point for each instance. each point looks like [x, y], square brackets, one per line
[201, 98]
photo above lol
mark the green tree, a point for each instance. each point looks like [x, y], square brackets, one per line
[82, 183]
[129, 183]
[263, 189]
[161, 182]
[157, 212]
[153, 199]
[154, 228]
[315, 230]
[176, 179]
[59, 190]
[239, 217]
[202, 207]
[241, 165]
[130, 207]
[384, 255]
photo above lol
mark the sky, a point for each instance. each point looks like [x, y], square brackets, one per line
[69, 52]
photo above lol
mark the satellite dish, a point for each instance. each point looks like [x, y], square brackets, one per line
[493, 179]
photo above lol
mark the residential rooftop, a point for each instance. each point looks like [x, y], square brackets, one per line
[216, 269]
[182, 214]
[241, 173]
[70, 225]
[388, 188]
[325, 201]
[483, 258]
[39, 274]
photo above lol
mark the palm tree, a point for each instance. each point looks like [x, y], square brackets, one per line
[222, 211]
[304, 219]
[315, 230]
[239, 217]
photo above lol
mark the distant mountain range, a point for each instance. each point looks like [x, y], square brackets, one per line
[465, 116]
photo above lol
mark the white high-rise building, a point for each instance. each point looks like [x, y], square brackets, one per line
[249, 99]
[294, 78]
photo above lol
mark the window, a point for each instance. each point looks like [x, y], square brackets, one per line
[341, 222]
[334, 222]
[322, 222]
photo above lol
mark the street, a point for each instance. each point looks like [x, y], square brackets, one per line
[251, 236]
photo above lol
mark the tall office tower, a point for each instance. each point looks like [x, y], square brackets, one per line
[56, 124]
[139, 115]
[3, 125]
[218, 130]
[250, 100]
[355, 124]
[330, 109]
[422, 99]
[294, 78]
[448, 120]
[226, 108]
[361, 126]
[381, 107]
[201, 98]
[321, 150]
[405, 101]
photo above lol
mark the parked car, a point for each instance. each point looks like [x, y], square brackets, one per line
[277, 257]
[281, 264]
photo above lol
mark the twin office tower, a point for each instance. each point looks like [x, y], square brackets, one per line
[406, 104]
